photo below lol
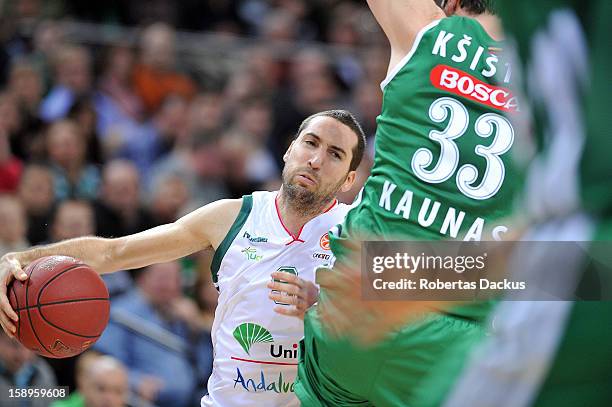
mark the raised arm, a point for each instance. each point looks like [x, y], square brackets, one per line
[202, 228]
[401, 20]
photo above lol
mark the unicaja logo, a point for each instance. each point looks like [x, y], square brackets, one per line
[280, 351]
[249, 333]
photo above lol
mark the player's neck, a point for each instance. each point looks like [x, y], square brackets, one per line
[488, 21]
[295, 217]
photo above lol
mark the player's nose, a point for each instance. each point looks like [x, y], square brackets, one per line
[315, 161]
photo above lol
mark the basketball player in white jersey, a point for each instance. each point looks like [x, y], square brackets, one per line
[267, 246]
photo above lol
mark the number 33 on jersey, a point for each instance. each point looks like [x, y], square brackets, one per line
[443, 167]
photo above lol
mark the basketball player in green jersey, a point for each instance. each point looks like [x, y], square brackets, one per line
[557, 353]
[442, 170]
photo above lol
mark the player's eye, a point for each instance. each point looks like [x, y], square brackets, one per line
[310, 142]
[336, 155]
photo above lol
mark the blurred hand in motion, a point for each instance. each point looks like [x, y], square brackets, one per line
[10, 268]
[294, 291]
[344, 312]
[186, 310]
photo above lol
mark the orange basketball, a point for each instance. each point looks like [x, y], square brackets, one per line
[63, 306]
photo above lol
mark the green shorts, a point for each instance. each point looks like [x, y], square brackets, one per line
[339, 373]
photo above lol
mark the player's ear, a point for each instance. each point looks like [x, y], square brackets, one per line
[350, 180]
[450, 7]
[286, 155]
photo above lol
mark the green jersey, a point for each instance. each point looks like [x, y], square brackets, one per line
[442, 167]
[566, 46]
[442, 170]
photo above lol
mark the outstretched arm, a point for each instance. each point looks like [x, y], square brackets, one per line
[401, 20]
[202, 228]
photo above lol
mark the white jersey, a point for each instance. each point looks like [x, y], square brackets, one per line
[256, 349]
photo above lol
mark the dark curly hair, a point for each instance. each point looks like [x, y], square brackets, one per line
[473, 6]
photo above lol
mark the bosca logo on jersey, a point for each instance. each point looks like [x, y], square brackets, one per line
[250, 333]
[463, 84]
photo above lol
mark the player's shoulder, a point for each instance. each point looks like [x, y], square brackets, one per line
[338, 210]
[262, 195]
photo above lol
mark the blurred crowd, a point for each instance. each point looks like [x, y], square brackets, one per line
[112, 139]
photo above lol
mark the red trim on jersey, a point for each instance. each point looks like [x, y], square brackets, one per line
[296, 238]
[263, 362]
[331, 206]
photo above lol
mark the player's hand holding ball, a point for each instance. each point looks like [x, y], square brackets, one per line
[57, 306]
[10, 269]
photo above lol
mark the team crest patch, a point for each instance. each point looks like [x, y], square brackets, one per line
[324, 242]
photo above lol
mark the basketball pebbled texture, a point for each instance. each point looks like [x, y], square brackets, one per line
[63, 306]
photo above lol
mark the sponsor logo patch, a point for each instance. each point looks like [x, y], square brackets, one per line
[324, 242]
[249, 333]
[463, 84]
[263, 384]
[251, 254]
[254, 239]
[321, 256]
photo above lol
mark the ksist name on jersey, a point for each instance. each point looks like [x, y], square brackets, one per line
[465, 50]
[461, 83]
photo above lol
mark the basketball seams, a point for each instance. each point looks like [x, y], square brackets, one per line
[42, 289]
[63, 302]
[42, 316]
[30, 317]
[67, 331]
[38, 304]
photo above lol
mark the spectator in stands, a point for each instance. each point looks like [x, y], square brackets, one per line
[171, 122]
[200, 315]
[156, 75]
[83, 363]
[72, 219]
[73, 176]
[73, 78]
[20, 368]
[169, 199]
[37, 195]
[145, 143]
[119, 211]
[367, 100]
[279, 25]
[116, 100]
[146, 335]
[84, 115]
[9, 114]
[206, 113]
[25, 85]
[253, 165]
[13, 225]
[102, 381]
[10, 166]
[202, 164]
[48, 39]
